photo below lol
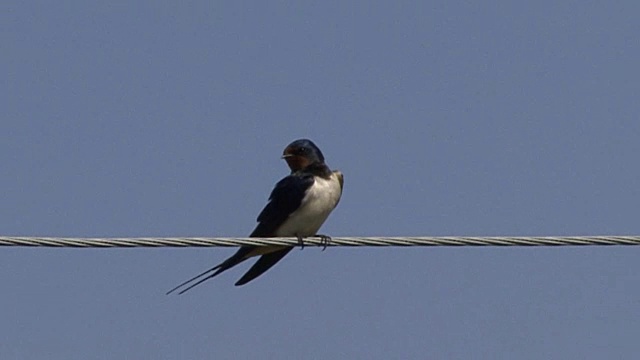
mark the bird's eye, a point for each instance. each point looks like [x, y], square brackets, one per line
[301, 150]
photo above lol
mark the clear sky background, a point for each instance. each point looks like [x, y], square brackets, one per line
[154, 118]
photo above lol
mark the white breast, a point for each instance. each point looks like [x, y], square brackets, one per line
[321, 198]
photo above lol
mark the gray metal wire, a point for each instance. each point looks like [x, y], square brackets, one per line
[336, 241]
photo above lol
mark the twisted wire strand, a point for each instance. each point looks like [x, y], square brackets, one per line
[316, 241]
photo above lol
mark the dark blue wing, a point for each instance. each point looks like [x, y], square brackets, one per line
[263, 264]
[285, 198]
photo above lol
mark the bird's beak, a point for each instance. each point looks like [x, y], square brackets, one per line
[284, 156]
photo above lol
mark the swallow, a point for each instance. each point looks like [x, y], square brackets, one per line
[298, 206]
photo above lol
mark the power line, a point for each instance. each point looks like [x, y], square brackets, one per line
[77, 242]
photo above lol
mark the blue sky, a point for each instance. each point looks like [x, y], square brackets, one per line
[447, 118]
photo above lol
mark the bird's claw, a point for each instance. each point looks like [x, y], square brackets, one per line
[300, 242]
[325, 240]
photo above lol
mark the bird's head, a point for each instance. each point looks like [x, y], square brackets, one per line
[302, 153]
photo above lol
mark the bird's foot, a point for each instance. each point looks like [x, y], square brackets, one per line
[325, 240]
[300, 242]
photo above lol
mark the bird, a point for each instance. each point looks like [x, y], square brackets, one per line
[298, 206]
